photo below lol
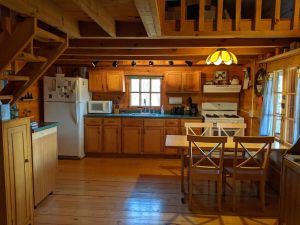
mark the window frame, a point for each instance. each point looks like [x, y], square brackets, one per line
[140, 92]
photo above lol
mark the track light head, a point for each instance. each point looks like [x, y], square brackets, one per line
[171, 63]
[115, 63]
[133, 63]
[94, 63]
[189, 63]
[151, 63]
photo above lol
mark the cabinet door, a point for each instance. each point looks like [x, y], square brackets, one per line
[93, 139]
[171, 131]
[173, 81]
[114, 81]
[191, 81]
[19, 149]
[95, 81]
[153, 140]
[111, 139]
[132, 140]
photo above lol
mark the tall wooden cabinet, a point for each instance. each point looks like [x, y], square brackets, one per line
[16, 192]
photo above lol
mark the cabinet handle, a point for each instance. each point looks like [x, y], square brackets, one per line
[26, 161]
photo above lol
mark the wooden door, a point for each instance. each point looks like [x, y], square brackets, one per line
[114, 81]
[95, 81]
[132, 140]
[191, 82]
[171, 131]
[93, 139]
[153, 140]
[173, 81]
[111, 139]
[20, 173]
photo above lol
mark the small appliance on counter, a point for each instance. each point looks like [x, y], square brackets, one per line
[177, 110]
[100, 106]
[193, 107]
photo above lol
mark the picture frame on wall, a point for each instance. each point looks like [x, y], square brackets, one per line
[221, 77]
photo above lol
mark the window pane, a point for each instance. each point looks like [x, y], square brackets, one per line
[145, 97]
[278, 104]
[134, 99]
[277, 125]
[155, 85]
[155, 99]
[145, 85]
[279, 82]
[134, 85]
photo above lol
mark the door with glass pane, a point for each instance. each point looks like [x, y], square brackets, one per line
[278, 104]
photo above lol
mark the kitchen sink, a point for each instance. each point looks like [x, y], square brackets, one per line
[145, 114]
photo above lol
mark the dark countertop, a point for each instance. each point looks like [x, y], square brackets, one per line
[141, 115]
[43, 126]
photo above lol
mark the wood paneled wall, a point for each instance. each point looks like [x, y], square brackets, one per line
[207, 73]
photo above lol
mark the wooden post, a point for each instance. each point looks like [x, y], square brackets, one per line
[182, 14]
[161, 8]
[257, 16]
[238, 9]
[295, 21]
[276, 18]
[220, 15]
[201, 14]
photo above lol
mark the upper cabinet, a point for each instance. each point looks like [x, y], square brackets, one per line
[106, 81]
[182, 82]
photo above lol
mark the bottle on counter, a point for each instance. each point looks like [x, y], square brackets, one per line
[162, 111]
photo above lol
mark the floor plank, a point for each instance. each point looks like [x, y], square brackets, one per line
[114, 191]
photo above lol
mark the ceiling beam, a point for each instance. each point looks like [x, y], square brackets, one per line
[96, 12]
[161, 52]
[46, 11]
[179, 43]
[148, 10]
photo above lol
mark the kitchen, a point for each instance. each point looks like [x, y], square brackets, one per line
[110, 104]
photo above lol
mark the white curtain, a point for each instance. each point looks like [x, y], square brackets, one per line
[297, 111]
[266, 122]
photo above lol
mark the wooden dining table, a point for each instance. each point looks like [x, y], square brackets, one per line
[180, 142]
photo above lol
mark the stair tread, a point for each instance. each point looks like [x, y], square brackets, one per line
[14, 78]
[45, 36]
[31, 58]
[2, 97]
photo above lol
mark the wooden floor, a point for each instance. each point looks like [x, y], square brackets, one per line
[107, 191]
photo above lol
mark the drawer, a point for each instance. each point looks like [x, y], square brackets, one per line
[112, 121]
[132, 122]
[153, 122]
[93, 121]
[171, 122]
[183, 121]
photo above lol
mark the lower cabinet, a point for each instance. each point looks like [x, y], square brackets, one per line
[153, 140]
[111, 139]
[93, 139]
[132, 140]
[44, 152]
[16, 191]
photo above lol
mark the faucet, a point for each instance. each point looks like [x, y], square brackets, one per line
[145, 107]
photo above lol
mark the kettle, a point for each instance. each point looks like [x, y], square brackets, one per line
[235, 80]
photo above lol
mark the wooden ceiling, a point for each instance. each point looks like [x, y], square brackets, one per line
[105, 30]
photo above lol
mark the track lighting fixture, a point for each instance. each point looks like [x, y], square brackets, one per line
[189, 63]
[115, 63]
[133, 63]
[94, 63]
[171, 63]
[151, 63]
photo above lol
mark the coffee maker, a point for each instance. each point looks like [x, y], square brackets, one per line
[193, 107]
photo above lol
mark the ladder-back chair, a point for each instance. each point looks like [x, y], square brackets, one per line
[198, 128]
[206, 167]
[253, 167]
[240, 127]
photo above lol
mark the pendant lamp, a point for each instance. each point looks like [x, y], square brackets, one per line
[221, 55]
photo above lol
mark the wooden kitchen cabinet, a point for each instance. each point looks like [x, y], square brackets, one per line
[111, 139]
[106, 81]
[182, 82]
[16, 191]
[153, 140]
[93, 139]
[44, 152]
[132, 140]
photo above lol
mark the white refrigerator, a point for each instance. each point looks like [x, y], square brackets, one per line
[65, 101]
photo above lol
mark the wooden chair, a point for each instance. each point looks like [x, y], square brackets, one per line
[192, 128]
[239, 126]
[204, 167]
[253, 167]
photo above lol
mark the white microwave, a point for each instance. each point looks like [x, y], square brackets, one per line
[99, 106]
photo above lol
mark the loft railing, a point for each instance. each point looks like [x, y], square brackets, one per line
[214, 20]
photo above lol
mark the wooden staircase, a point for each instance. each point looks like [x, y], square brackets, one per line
[36, 48]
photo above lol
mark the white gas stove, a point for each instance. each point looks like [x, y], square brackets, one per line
[221, 112]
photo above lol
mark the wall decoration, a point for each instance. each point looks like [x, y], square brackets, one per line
[221, 77]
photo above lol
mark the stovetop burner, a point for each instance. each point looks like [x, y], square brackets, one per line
[212, 115]
[230, 116]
